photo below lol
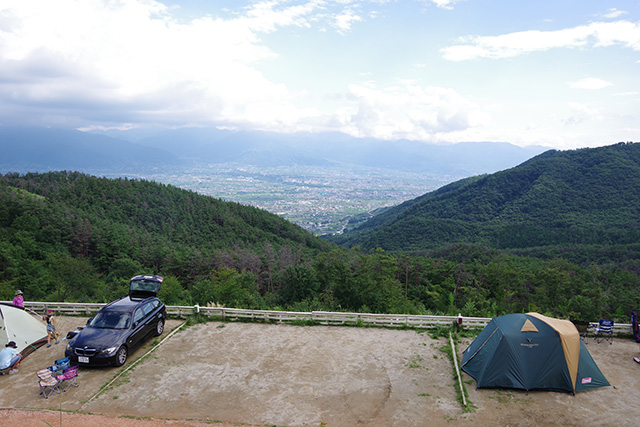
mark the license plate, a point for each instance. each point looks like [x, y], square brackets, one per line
[83, 359]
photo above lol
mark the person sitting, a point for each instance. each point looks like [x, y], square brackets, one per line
[18, 300]
[10, 358]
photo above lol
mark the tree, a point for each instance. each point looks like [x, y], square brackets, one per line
[230, 289]
[73, 279]
[172, 292]
[299, 282]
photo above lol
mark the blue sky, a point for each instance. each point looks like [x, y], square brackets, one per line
[557, 73]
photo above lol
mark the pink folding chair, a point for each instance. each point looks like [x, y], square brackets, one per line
[68, 378]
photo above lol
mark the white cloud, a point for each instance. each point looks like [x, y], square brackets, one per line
[444, 4]
[627, 94]
[267, 16]
[409, 111]
[136, 55]
[591, 83]
[114, 63]
[580, 113]
[344, 20]
[596, 34]
[614, 13]
[124, 63]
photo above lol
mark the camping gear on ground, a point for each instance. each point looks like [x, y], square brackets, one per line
[59, 376]
[634, 325]
[60, 365]
[47, 382]
[27, 330]
[75, 332]
[531, 352]
[585, 337]
[583, 330]
[604, 331]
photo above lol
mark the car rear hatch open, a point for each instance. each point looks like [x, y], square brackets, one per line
[144, 286]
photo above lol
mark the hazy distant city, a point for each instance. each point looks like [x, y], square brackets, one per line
[319, 199]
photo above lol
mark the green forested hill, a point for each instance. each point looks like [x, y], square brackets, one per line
[182, 216]
[586, 196]
[97, 226]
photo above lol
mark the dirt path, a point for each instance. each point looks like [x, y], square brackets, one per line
[263, 374]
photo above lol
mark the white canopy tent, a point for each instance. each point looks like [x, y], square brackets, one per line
[28, 331]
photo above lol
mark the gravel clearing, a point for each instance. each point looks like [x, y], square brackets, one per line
[252, 374]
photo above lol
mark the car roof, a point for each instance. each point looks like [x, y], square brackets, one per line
[126, 303]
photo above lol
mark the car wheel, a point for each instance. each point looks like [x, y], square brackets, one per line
[121, 356]
[160, 327]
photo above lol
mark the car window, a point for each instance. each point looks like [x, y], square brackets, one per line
[147, 308]
[111, 320]
[139, 314]
[142, 287]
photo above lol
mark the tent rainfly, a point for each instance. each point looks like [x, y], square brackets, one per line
[531, 352]
[27, 330]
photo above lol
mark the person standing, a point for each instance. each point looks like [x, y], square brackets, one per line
[51, 327]
[18, 300]
[10, 358]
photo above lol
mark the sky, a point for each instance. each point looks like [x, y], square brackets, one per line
[562, 74]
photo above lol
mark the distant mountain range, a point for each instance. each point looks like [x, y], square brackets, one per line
[120, 152]
[586, 196]
[51, 149]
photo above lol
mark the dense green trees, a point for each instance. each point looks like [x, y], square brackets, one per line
[72, 237]
[578, 197]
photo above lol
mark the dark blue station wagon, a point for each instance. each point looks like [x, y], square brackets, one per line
[121, 326]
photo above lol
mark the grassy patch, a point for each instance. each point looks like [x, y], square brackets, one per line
[506, 397]
[198, 318]
[134, 417]
[414, 362]
[304, 322]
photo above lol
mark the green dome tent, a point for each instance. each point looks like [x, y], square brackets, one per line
[531, 352]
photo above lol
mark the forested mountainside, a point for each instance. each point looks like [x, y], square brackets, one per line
[66, 236]
[61, 218]
[579, 197]
[139, 207]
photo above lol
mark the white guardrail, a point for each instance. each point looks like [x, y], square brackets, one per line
[319, 317]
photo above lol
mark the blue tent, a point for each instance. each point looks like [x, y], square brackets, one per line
[531, 352]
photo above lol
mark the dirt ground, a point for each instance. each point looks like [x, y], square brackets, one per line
[280, 375]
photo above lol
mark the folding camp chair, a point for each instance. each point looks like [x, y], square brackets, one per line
[68, 378]
[61, 364]
[47, 382]
[583, 329]
[604, 331]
